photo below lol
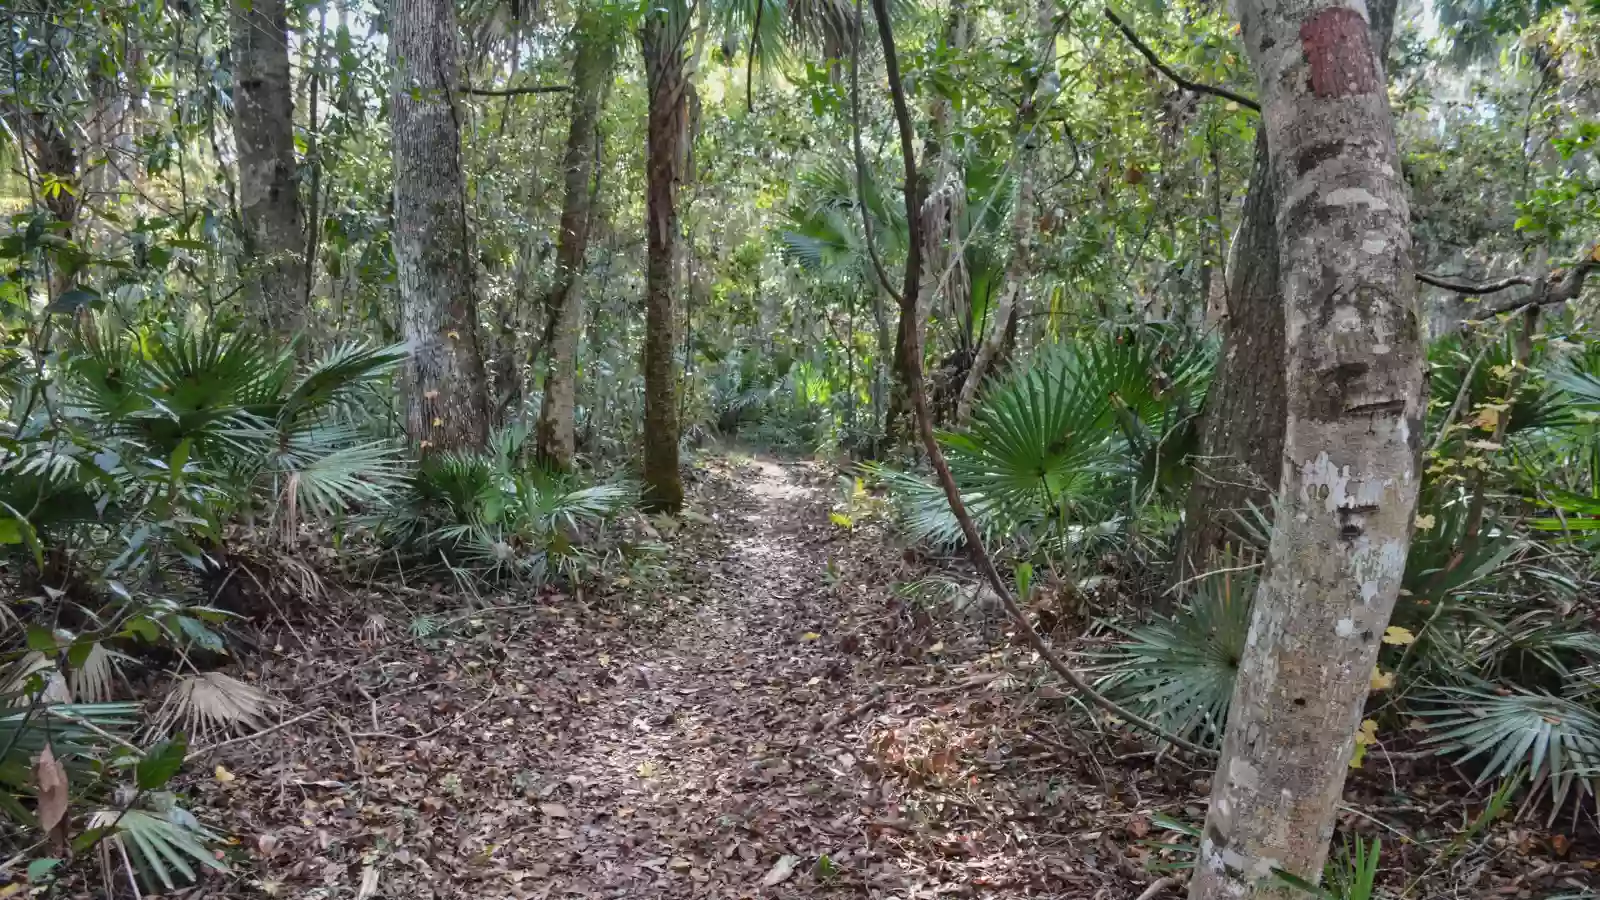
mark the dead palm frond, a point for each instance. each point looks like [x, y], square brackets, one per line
[213, 703]
[93, 680]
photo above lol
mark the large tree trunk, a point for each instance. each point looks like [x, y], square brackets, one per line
[591, 70]
[1241, 433]
[662, 42]
[1020, 265]
[444, 386]
[1350, 472]
[269, 194]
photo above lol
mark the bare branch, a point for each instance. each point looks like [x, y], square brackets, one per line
[1179, 80]
[516, 91]
[1474, 290]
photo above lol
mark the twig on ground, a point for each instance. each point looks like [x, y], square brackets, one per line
[1157, 886]
[201, 751]
[850, 715]
[422, 737]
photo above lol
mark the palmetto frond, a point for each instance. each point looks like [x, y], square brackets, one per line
[1505, 729]
[1181, 671]
[211, 702]
[332, 380]
[160, 845]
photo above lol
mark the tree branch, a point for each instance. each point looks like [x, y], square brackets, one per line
[1567, 288]
[516, 91]
[1474, 290]
[919, 403]
[1179, 80]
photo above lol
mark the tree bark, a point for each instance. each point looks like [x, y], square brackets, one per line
[1241, 431]
[1020, 265]
[556, 437]
[662, 42]
[1352, 444]
[269, 193]
[444, 386]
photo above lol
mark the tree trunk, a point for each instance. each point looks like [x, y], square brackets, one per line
[1241, 432]
[662, 42]
[269, 194]
[1348, 490]
[444, 386]
[591, 70]
[1021, 263]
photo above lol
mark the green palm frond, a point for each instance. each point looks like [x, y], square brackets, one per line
[553, 503]
[1558, 739]
[160, 845]
[1181, 671]
[333, 378]
[924, 513]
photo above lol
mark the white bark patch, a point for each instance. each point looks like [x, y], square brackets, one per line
[1345, 628]
[1351, 196]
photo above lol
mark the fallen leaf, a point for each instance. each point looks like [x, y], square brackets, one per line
[369, 883]
[553, 810]
[1425, 522]
[780, 871]
[1398, 636]
[810, 636]
[51, 780]
[223, 775]
[647, 769]
[1381, 680]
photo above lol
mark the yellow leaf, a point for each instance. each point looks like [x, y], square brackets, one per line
[647, 769]
[605, 660]
[810, 636]
[223, 775]
[1369, 731]
[453, 335]
[10, 889]
[860, 489]
[1488, 418]
[840, 519]
[1381, 680]
[1398, 636]
[437, 421]
[1425, 523]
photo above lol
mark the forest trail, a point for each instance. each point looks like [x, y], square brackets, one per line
[765, 719]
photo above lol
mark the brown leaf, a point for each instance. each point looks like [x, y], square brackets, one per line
[553, 810]
[51, 780]
[1138, 826]
[780, 871]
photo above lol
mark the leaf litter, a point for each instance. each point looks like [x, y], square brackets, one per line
[771, 719]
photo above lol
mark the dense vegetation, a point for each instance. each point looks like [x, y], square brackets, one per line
[301, 294]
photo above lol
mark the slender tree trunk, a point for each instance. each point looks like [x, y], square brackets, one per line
[591, 70]
[1241, 432]
[269, 194]
[1020, 265]
[662, 42]
[444, 385]
[1352, 448]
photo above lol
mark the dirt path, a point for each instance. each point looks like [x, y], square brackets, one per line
[766, 722]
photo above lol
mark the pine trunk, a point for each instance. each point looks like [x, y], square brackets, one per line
[445, 400]
[591, 69]
[269, 194]
[661, 40]
[1350, 473]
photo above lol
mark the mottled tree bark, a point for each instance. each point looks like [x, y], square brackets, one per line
[662, 42]
[556, 438]
[1241, 432]
[1348, 490]
[1020, 265]
[444, 386]
[269, 193]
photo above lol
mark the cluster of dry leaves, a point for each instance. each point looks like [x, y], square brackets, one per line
[775, 721]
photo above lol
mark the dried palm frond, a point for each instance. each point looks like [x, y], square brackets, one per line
[212, 703]
[17, 677]
[92, 680]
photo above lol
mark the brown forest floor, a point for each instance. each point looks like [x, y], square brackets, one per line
[768, 720]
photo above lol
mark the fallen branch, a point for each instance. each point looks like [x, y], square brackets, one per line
[201, 751]
[1182, 82]
[919, 403]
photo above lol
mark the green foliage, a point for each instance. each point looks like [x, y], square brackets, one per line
[493, 514]
[1352, 874]
[1180, 671]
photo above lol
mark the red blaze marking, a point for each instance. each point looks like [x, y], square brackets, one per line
[1339, 49]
